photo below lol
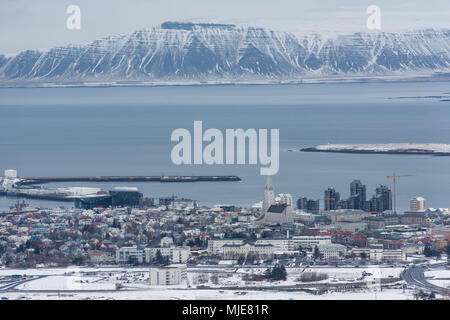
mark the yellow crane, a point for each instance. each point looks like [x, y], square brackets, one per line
[394, 178]
[327, 199]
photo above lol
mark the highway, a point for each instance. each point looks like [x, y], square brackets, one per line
[415, 276]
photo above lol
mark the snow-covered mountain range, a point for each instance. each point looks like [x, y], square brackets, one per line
[203, 52]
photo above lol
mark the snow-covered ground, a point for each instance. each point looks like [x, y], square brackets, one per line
[439, 278]
[198, 294]
[100, 283]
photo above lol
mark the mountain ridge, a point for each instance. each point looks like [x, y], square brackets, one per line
[183, 52]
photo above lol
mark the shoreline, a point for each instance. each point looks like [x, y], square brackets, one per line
[436, 154]
[318, 80]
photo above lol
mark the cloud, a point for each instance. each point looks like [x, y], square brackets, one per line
[30, 24]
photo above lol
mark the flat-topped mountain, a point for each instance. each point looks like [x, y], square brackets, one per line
[178, 51]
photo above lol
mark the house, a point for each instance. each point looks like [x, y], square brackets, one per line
[98, 257]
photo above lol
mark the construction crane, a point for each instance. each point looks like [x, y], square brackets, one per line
[173, 200]
[394, 178]
[327, 199]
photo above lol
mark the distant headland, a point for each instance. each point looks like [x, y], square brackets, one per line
[436, 149]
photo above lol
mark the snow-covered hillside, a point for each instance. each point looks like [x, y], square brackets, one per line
[186, 51]
[402, 148]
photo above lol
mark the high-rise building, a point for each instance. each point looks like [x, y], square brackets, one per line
[331, 198]
[357, 198]
[313, 205]
[417, 204]
[302, 203]
[383, 198]
[308, 205]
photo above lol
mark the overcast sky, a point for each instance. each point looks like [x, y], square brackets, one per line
[32, 24]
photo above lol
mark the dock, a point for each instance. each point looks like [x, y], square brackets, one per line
[41, 180]
[23, 186]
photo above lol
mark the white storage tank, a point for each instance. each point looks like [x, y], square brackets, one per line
[10, 173]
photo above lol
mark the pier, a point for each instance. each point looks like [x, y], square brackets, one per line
[24, 187]
[41, 180]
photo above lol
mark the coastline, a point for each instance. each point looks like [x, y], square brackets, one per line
[391, 152]
[434, 77]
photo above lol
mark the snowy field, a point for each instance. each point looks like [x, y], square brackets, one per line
[199, 294]
[202, 283]
[439, 278]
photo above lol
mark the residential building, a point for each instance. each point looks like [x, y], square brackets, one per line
[308, 205]
[259, 251]
[333, 250]
[172, 254]
[357, 198]
[331, 198]
[309, 241]
[393, 255]
[134, 254]
[167, 275]
[417, 204]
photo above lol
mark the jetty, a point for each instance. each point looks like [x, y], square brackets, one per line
[175, 179]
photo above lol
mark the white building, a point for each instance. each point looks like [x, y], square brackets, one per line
[174, 254]
[129, 254]
[168, 275]
[309, 241]
[166, 242]
[284, 198]
[215, 246]
[417, 204]
[279, 245]
[269, 195]
[11, 173]
[393, 255]
[275, 210]
[333, 250]
[377, 253]
[348, 215]
[100, 257]
[413, 248]
[233, 251]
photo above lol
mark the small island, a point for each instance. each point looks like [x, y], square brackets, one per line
[435, 149]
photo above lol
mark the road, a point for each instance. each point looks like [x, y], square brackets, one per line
[11, 285]
[415, 276]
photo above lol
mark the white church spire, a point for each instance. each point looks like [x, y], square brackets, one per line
[269, 194]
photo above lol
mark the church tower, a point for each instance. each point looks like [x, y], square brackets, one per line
[269, 194]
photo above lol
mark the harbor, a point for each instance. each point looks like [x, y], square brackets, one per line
[40, 180]
[30, 187]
